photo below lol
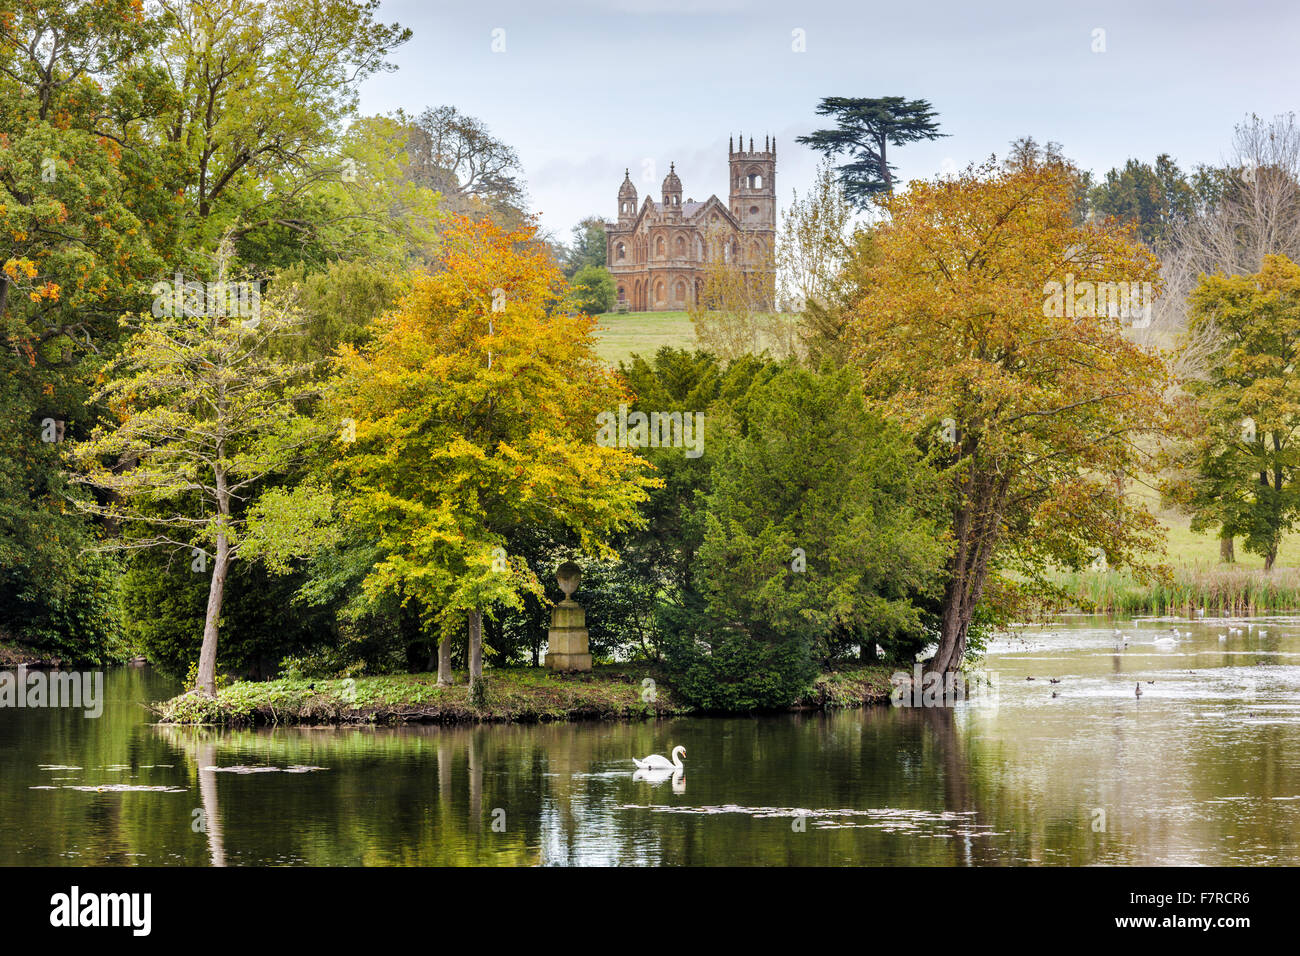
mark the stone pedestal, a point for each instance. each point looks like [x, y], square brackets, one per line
[566, 647]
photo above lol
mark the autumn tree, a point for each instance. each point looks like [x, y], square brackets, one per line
[733, 314]
[1030, 408]
[475, 415]
[1242, 470]
[203, 419]
[76, 246]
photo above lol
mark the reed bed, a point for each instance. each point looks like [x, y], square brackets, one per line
[1186, 590]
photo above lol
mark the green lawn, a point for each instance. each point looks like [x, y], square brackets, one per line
[642, 333]
[1188, 549]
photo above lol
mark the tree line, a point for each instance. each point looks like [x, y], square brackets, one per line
[374, 459]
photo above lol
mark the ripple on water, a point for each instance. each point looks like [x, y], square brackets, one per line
[116, 788]
[934, 823]
[296, 768]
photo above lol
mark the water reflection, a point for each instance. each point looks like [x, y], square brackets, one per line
[1062, 764]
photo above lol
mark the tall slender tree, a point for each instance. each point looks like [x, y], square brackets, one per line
[204, 417]
[865, 129]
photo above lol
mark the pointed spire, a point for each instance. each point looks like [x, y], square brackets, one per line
[765, 144]
[751, 144]
[731, 145]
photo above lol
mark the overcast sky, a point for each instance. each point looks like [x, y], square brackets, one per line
[585, 88]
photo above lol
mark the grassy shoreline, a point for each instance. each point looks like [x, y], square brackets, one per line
[1230, 589]
[515, 695]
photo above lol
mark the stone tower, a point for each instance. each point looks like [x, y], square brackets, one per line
[626, 199]
[753, 184]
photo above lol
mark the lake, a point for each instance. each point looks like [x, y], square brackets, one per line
[1203, 768]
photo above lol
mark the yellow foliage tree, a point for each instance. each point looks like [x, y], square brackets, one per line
[474, 413]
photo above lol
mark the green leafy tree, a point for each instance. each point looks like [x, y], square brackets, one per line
[593, 290]
[1242, 468]
[75, 247]
[1154, 198]
[203, 419]
[587, 247]
[260, 92]
[815, 523]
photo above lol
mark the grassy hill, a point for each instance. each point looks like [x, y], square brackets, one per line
[642, 333]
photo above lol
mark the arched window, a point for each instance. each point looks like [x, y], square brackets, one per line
[659, 291]
[755, 180]
[681, 248]
[620, 251]
[681, 291]
[659, 247]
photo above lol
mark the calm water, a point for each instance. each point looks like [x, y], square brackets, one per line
[1203, 769]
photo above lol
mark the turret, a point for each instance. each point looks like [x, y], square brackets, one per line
[672, 190]
[626, 199]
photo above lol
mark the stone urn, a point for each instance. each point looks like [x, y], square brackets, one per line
[566, 641]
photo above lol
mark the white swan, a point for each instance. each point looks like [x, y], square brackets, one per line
[657, 762]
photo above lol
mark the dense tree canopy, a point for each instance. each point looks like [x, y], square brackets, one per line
[1033, 411]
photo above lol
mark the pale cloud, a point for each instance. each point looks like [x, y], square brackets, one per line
[589, 87]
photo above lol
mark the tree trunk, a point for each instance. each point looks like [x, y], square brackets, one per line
[444, 661]
[1226, 553]
[952, 631]
[977, 525]
[475, 645]
[207, 678]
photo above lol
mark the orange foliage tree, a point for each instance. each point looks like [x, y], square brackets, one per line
[982, 330]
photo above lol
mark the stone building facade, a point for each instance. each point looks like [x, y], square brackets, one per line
[658, 252]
